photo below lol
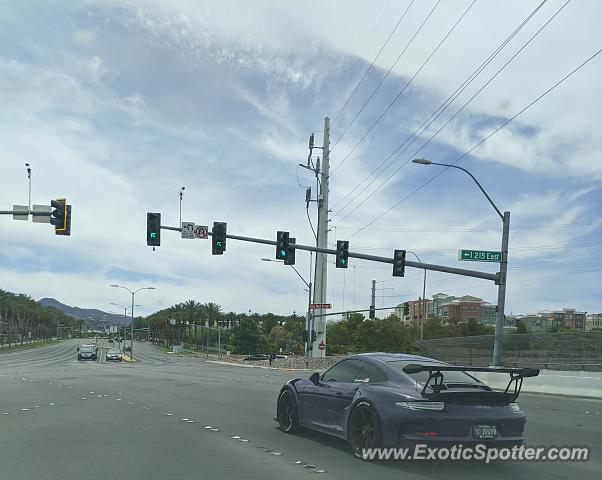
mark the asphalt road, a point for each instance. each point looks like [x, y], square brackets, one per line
[170, 417]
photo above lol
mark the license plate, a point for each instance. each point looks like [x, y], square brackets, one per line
[484, 431]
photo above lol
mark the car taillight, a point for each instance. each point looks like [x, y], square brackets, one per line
[437, 406]
[427, 434]
[515, 408]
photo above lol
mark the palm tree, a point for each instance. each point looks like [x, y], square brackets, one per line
[212, 311]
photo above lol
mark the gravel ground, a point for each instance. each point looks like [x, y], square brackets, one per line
[291, 362]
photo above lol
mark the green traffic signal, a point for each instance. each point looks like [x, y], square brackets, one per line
[283, 253]
[153, 235]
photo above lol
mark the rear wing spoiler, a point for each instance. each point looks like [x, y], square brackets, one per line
[435, 380]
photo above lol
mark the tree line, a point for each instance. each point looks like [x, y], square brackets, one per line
[266, 333]
[23, 320]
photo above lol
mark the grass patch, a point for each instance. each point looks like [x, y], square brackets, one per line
[27, 346]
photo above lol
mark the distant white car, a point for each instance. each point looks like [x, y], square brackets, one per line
[114, 355]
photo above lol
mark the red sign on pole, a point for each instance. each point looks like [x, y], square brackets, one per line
[321, 346]
[319, 306]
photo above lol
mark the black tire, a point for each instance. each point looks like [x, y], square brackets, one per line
[364, 428]
[288, 419]
[79, 358]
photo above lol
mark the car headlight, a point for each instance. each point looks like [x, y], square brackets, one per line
[421, 405]
[515, 408]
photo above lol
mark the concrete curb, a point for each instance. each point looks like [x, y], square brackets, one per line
[258, 366]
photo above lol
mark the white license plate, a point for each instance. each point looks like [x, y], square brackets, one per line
[483, 432]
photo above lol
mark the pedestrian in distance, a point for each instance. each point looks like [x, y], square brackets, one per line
[271, 358]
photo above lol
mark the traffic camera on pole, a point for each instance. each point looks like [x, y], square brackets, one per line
[153, 229]
[61, 216]
[282, 245]
[290, 258]
[218, 238]
[342, 259]
[399, 263]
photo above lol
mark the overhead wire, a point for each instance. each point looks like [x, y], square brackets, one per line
[372, 63]
[456, 113]
[437, 113]
[374, 92]
[553, 87]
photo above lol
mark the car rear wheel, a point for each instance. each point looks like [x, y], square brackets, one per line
[287, 412]
[364, 428]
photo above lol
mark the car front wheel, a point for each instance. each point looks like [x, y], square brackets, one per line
[364, 428]
[287, 412]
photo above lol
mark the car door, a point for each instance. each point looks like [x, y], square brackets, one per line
[316, 398]
[345, 392]
[341, 391]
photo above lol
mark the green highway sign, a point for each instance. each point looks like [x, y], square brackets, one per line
[479, 256]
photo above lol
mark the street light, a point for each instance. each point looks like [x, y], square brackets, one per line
[133, 292]
[308, 319]
[420, 315]
[125, 309]
[501, 296]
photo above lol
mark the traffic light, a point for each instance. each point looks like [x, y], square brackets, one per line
[305, 336]
[218, 238]
[399, 263]
[282, 243]
[61, 216]
[342, 254]
[67, 229]
[290, 258]
[314, 335]
[406, 309]
[153, 229]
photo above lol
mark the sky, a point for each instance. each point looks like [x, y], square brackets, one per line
[116, 105]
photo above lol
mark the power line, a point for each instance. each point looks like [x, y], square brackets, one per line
[484, 229]
[572, 72]
[456, 113]
[378, 86]
[426, 123]
[371, 64]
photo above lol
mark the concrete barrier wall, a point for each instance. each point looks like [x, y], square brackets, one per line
[557, 382]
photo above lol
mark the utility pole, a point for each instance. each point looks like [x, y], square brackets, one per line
[373, 301]
[322, 239]
[501, 293]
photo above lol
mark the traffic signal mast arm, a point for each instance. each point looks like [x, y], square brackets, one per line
[494, 277]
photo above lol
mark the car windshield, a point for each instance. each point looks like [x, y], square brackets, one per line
[86, 349]
[459, 378]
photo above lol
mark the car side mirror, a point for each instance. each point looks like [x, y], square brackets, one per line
[315, 378]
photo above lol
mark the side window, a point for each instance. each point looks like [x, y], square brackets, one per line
[344, 371]
[370, 374]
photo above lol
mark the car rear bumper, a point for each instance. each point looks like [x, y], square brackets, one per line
[450, 427]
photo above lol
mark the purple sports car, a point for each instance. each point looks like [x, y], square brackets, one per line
[390, 400]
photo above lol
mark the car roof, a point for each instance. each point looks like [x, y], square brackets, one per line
[392, 357]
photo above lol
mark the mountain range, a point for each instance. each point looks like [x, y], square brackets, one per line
[91, 316]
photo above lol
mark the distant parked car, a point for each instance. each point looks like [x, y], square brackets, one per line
[281, 356]
[255, 357]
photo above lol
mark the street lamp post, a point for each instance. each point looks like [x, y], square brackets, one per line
[308, 325]
[501, 296]
[421, 316]
[125, 309]
[133, 293]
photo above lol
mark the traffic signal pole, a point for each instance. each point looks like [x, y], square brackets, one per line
[494, 277]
